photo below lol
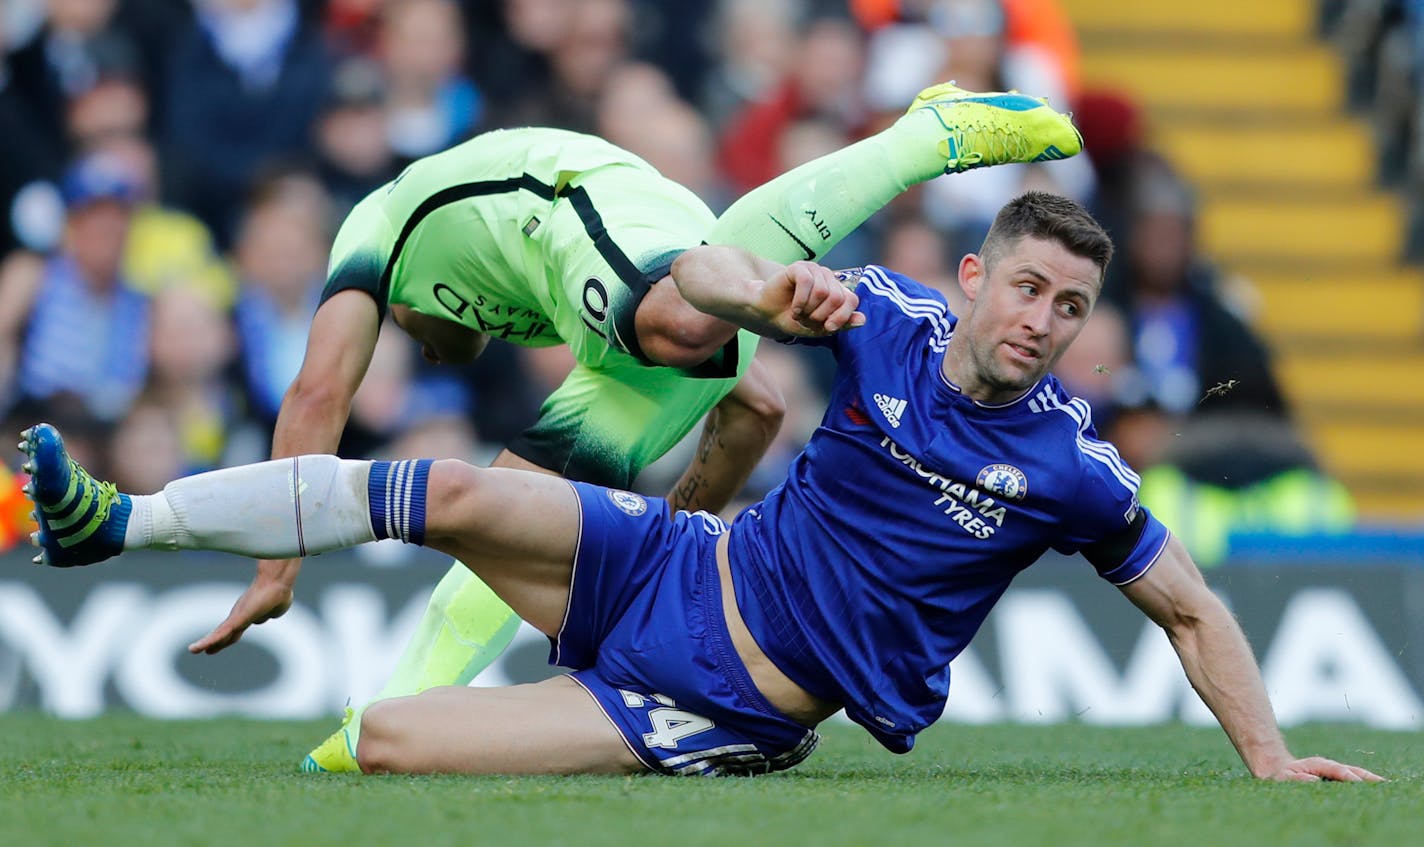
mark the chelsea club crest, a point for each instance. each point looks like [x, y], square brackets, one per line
[1004, 480]
[631, 503]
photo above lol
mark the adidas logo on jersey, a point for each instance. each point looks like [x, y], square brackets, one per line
[891, 408]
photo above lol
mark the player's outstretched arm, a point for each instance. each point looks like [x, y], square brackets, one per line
[674, 333]
[736, 435]
[779, 301]
[313, 414]
[1219, 663]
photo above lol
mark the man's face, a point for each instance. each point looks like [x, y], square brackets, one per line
[441, 342]
[1161, 252]
[95, 235]
[1024, 311]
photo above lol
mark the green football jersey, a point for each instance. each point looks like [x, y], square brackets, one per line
[535, 236]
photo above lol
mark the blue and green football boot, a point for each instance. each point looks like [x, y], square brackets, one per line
[82, 520]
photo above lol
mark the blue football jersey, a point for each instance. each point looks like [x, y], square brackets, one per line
[910, 511]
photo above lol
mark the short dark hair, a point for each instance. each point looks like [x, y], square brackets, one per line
[1051, 217]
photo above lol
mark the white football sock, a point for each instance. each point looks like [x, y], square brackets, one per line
[281, 509]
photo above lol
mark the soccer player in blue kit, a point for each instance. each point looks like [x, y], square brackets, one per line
[949, 460]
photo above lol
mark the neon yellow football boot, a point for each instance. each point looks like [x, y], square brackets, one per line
[996, 128]
[337, 754]
[464, 629]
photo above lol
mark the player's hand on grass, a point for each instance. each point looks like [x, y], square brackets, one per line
[806, 299]
[1317, 769]
[269, 596]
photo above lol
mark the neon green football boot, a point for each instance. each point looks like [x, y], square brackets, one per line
[337, 754]
[996, 128]
[465, 628]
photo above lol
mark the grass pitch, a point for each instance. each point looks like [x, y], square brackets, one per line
[124, 780]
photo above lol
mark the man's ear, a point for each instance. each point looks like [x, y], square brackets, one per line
[971, 275]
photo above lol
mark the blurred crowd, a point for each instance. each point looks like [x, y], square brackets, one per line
[1382, 43]
[175, 170]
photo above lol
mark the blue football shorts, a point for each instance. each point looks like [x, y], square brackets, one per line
[647, 637]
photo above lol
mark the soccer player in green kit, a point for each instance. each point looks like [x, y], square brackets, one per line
[542, 237]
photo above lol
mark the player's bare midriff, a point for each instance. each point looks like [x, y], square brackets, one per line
[791, 699]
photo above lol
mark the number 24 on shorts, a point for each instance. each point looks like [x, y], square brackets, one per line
[669, 723]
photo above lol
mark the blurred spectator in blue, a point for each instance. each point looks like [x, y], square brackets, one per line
[179, 424]
[1206, 476]
[67, 57]
[191, 348]
[115, 106]
[166, 247]
[1194, 354]
[111, 117]
[280, 261]
[429, 102]
[354, 152]
[30, 159]
[71, 321]
[246, 82]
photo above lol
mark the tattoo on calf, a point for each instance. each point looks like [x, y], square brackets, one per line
[696, 481]
[708, 441]
[688, 489]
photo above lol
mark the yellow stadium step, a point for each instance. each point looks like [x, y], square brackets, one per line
[1257, 18]
[1250, 106]
[1367, 227]
[1385, 304]
[1387, 450]
[1361, 380]
[1332, 153]
[1246, 81]
[1386, 502]
[1378, 461]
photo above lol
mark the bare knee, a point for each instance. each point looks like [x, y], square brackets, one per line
[380, 748]
[454, 499]
[454, 479]
[757, 397]
[769, 409]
